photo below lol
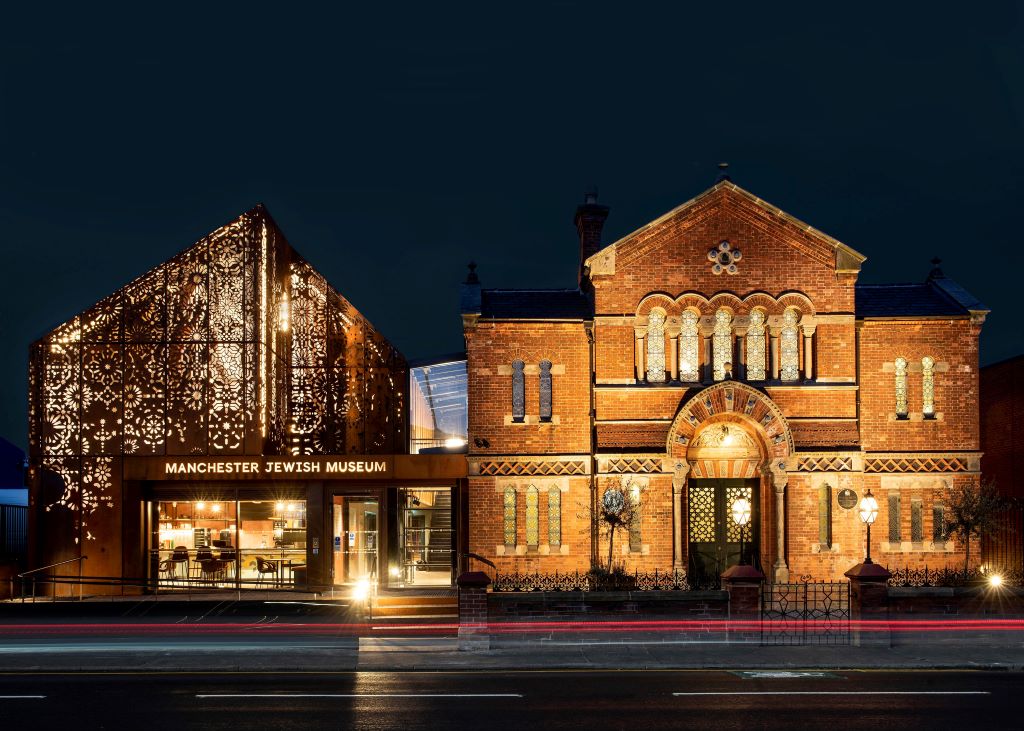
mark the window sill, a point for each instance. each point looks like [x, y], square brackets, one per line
[916, 417]
[919, 547]
[523, 550]
[825, 548]
[626, 550]
[531, 420]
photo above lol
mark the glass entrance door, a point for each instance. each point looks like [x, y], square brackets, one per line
[356, 533]
[714, 536]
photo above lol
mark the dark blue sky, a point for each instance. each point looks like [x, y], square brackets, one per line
[394, 144]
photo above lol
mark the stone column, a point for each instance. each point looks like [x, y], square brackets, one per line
[808, 352]
[681, 470]
[739, 364]
[780, 478]
[672, 331]
[473, 634]
[638, 334]
[773, 335]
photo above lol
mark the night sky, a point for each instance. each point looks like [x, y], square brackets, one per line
[393, 145]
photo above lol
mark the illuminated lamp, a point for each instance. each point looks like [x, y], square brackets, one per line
[741, 510]
[868, 515]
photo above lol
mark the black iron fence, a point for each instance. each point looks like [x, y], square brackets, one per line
[593, 581]
[13, 532]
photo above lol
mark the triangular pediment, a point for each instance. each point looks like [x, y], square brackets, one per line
[724, 201]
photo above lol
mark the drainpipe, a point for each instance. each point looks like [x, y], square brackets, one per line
[592, 348]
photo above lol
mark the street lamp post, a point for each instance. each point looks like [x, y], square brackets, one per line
[868, 514]
[741, 516]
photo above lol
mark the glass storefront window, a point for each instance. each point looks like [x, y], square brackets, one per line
[227, 543]
[425, 537]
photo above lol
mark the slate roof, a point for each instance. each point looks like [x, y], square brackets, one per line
[937, 297]
[534, 304]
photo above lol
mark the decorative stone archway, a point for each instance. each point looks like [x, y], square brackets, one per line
[767, 444]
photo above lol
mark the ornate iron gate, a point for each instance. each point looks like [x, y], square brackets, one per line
[805, 613]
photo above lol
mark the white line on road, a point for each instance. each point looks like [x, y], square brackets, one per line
[359, 695]
[841, 692]
[20, 697]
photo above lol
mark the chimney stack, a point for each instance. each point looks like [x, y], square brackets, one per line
[590, 218]
[469, 293]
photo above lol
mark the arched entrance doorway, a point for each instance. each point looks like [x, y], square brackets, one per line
[729, 441]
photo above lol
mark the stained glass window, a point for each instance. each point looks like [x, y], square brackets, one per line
[721, 343]
[916, 520]
[545, 390]
[789, 341]
[938, 523]
[901, 388]
[532, 517]
[895, 534]
[509, 515]
[928, 386]
[689, 340]
[518, 391]
[554, 516]
[755, 347]
[656, 347]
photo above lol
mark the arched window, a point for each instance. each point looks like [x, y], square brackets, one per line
[901, 388]
[518, 391]
[721, 343]
[532, 517]
[689, 341]
[554, 516]
[928, 386]
[545, 390]
[509, 516]
[656, 347]
[755, 347]
[789, 343]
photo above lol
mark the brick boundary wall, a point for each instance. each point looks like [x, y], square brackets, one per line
[906, 602]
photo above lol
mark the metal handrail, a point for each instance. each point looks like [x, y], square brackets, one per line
[79, 559]
[53, 565]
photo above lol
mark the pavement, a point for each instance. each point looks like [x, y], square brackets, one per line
[302, 636]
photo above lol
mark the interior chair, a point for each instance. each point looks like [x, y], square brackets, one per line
[228, 557]
[212, 569]
[265, 571]
[178, 556]
[202, 556]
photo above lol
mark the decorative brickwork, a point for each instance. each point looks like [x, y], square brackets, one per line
[531, 468]
[824, 463]
[916, 464]
[630, 465]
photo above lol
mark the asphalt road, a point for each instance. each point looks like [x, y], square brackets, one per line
[639, 700]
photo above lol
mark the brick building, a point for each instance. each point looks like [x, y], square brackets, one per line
[1002, 424]
[724, 350]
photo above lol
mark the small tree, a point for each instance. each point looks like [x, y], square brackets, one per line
[971, 512]
[618, 508]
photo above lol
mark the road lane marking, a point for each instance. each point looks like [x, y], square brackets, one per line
[838, 692]
[359, 695]
[20, 697]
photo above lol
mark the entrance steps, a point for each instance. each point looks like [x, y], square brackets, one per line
[399, 606]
